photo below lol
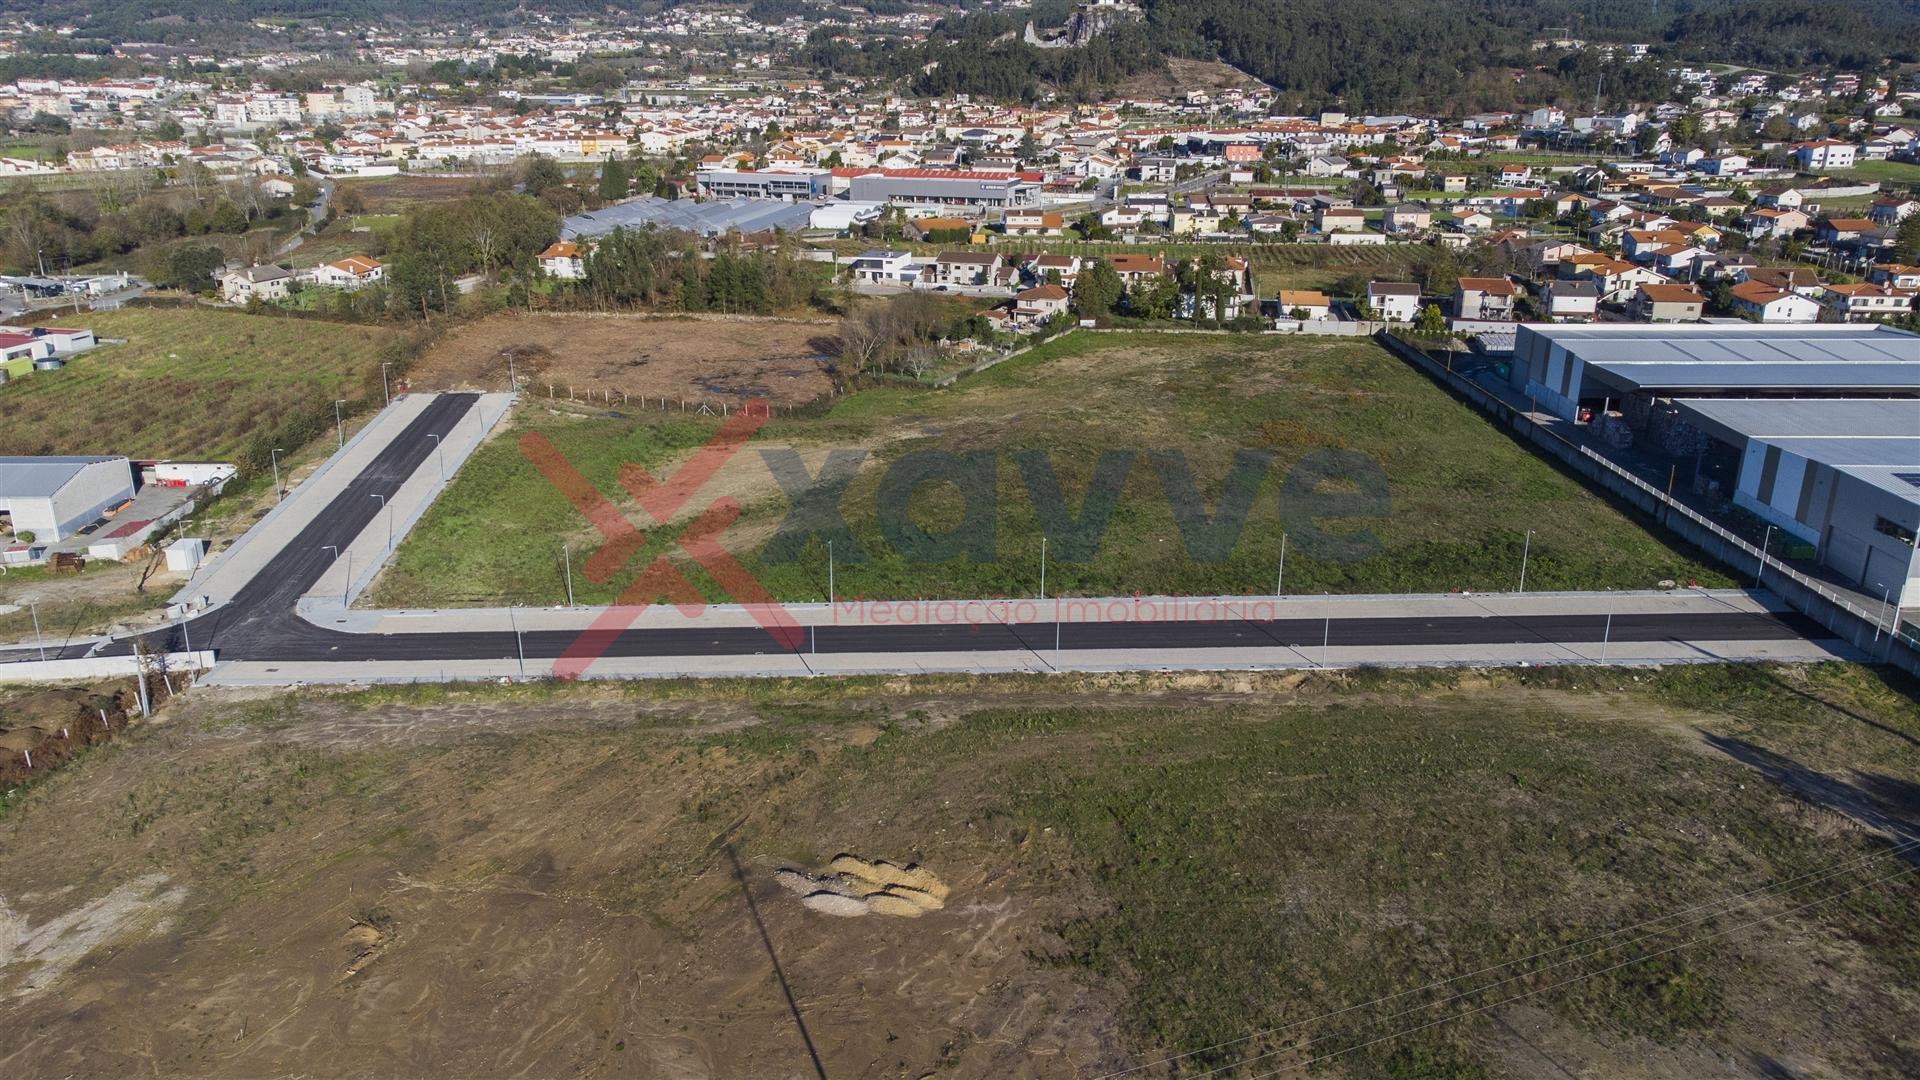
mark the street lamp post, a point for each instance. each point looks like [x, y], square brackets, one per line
[1280, 575]
[389, 510]
[518, 648]
[438, 456]
[1765, 543]
[1043, 568]
[386, 390]
[339, 428]
[1526, 548]
[274, 457]
[829, 573]
[37, 643]
[566, 561]
[1606, 633]
[1326, 632]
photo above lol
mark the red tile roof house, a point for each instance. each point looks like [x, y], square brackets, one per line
[352, 272]
[1134, 269]
[1040, 303]
[1484, 298]
[564, 260]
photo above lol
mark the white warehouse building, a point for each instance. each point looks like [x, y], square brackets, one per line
[54, 497]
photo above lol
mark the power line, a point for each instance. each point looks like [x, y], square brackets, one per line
[1577, 978]
[1754, 893]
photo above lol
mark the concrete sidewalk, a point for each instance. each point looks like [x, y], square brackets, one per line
[325, 609]
[1042, 661]
[224, 575]
[363, 558]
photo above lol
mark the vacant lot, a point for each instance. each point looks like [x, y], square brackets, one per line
[592, 356]
[393, 194]
[190, 382]
[1458, 496]
[1681, 874]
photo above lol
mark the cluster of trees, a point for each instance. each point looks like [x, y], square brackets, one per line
[483, 233]
[901, 335]
[130, 213]
[665, 269]
[1099, 292]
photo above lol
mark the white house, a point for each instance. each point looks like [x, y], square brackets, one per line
[352, 272]
[564, 260]
[267, 282]
[1824, 154]
[1767, 304]
[1394, 301]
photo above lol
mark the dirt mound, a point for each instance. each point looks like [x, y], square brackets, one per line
[854, 886]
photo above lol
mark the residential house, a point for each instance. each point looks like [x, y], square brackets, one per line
[1764, 303]
[267, 282]
[1773, 222]
[564, 260]
[1666, 303]
[1469, 220]
[1842, 230]
[350, 273]
[1040, 303]
[1893, 209]
[1033, 223]
[1484, 298]
[1394, 301]
[1046, 268]
[1570, 301]
[965, 267]
[876, 267]
[1304, 304]
[1136, 269]
[1823, 154]
[1895, 276]
[1340, 219]
[1864, 302]
[1803, 280]
[1407, 218]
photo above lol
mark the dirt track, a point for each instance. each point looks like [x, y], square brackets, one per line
[637, 356]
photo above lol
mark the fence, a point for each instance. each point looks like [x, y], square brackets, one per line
[1866, 631]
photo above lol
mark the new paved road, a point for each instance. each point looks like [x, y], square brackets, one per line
[260, 624]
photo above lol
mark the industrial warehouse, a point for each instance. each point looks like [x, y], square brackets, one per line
[1814, 430]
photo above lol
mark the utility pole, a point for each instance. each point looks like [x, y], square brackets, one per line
[1526, 548]
[386, 389]
[274, 457]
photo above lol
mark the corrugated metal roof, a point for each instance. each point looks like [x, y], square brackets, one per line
[704, 218]
[39, 477]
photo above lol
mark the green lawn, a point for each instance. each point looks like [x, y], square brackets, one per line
[190, 382]
[1896, 172]
[1460, 495]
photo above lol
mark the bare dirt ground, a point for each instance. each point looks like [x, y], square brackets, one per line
[590, 356]
[589, 881]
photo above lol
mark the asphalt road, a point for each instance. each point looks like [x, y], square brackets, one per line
[260, 624]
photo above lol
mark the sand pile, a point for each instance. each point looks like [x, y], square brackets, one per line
[853, 886]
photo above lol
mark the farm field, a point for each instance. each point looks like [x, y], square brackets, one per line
[708, 360]
[1452, 497]
[1459, 874]
[190, 382]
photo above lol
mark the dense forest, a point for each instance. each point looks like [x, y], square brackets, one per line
[1371, 55]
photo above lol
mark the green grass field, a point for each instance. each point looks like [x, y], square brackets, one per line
[1887, 172]
[1460, 495]
[189, 382]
